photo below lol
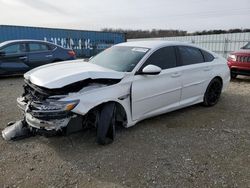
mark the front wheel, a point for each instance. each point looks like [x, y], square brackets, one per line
[106, 124]
[213, 92]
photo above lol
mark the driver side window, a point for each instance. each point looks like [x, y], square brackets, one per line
[164, 58]
[14, 49]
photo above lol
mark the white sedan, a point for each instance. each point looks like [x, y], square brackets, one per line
[123, 85]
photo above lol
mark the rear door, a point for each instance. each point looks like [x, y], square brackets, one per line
[13, 58]
[196, 74]
[39, 54]
[155, 94]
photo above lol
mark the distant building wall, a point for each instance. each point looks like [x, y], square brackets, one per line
[222, 44]
[84, 43]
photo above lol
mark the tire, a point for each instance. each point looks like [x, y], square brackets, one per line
[106, 124]
[233, 75]
[213, 92]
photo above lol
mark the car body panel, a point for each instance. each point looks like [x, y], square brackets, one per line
[193, 87]
[153, 92]
[69, 72]
[14, 63]
[21, 62]
[141, 96]
[36, 59]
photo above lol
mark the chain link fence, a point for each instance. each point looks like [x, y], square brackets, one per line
[221, 44]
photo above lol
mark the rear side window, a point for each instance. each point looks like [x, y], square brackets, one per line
[36, 47]
[164, 58]
[190, 55]
[14, 49]
[207, 56]
[51, 47]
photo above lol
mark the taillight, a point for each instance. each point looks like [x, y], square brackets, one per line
[71, 53]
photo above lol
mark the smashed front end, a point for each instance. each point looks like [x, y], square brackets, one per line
[45, 112]
[43, 108]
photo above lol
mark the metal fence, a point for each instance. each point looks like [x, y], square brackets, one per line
[222, 44]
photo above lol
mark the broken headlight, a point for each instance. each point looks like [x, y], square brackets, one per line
[55, 106]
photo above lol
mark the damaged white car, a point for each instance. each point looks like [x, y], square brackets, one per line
[124, 84]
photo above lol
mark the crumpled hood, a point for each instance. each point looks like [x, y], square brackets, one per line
[58, 75]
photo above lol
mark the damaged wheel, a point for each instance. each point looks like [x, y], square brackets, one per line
[106, 124]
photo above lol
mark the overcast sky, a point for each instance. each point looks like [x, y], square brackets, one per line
[190, 15]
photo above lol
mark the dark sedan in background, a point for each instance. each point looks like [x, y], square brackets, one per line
[19, 56]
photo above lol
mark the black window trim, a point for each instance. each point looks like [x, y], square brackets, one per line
[179, 54]
[54, 46]
[202, 52]
[176, 57]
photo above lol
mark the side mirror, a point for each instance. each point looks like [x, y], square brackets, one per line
[151, 70]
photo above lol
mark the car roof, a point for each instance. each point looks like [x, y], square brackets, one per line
[153, 43]
[23, 40]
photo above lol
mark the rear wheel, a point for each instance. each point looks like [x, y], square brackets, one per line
[213, 92]
[105, 124]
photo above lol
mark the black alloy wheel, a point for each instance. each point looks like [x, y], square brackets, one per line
[213, 92]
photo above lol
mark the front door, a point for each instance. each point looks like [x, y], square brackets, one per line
[155, 94]
[13, 59]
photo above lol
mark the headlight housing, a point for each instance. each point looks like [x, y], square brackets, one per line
[232, 57]
[55, 106]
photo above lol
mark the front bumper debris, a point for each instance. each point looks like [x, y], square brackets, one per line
[21, 103]
[31, 126]
[55, 124]
[16, 130]
[43, 115]
[48, 120]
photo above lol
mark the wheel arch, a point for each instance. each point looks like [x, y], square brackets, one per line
[219, 78]
[121, 112]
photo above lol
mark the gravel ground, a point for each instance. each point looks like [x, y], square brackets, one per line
[192, 147]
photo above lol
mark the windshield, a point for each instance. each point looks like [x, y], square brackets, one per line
[247, 46]
[120, 58]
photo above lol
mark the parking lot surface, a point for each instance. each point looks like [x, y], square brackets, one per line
[192, 147]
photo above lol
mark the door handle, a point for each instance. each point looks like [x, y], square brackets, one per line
[24, 58]
[207, 68]
[48, 55]
[176, 74]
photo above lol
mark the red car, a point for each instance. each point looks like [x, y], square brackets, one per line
[239, 61]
